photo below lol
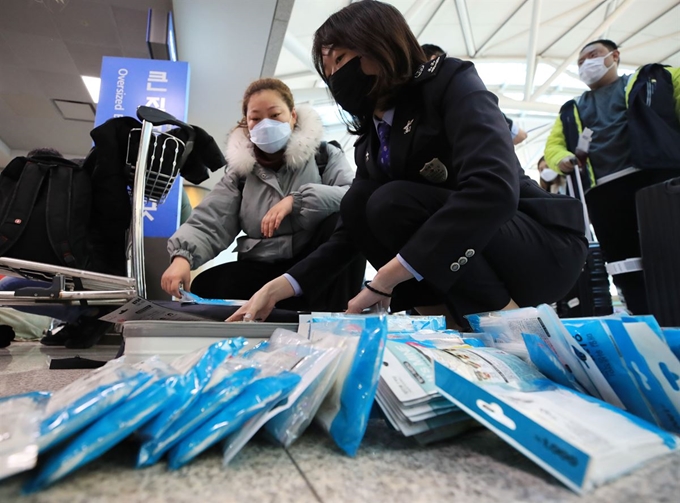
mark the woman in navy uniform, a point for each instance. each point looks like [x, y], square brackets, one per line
[440, 205]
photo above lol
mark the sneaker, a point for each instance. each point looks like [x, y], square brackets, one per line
[57, 336]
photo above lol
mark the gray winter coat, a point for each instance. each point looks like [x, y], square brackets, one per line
[248, 191]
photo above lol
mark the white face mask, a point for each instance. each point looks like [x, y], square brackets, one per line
[548, 175]
[593, 69]
[270, 135]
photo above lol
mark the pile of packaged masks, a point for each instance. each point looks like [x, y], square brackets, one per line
[587, 399]
[221, 394]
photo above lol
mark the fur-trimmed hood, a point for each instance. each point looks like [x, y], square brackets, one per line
[302, 145]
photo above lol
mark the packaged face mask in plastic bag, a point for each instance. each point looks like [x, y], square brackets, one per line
[192, 298]
[20, 417]
[655, 368]
[259, 396]
[399, 324]
[504, 329]
[112, 428]
[507, 328]
[672, 336]
[316, 364]
[476, 342]
[196, 371]
[228, 380]
[545, 359]
[584, 368]
[83, 401]
[582, 441]
[428, 338]
[595, 337]
[345, 411]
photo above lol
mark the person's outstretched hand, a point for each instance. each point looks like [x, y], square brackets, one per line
[369, 299]
[261, 304]
[388, 277]
[178, 272]
[272, 220]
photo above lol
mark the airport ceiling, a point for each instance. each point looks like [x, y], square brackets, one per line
[47, 45]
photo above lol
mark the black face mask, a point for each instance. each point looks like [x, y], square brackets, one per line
[350, 87]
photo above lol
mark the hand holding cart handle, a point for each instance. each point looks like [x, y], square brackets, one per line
[580, 161]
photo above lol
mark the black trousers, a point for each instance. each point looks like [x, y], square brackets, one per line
[525, 261]
[613, 213]
[241, 279]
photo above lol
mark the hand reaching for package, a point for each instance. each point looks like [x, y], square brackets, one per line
[372, 298]
[179, 273]
[272, 220]
[378, 292]
[263, 301]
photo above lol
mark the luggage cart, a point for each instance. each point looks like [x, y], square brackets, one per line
[156, 158]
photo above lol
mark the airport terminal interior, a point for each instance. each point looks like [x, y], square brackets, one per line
[119, 383]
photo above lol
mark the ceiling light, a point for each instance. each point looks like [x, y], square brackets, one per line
[75, 110]
[93, 84]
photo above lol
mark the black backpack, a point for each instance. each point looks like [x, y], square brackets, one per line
[321, 156]
[59, 212]
[45, 206]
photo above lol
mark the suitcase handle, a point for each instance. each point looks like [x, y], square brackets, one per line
[672, 186]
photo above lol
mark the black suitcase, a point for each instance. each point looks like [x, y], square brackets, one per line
[658, 210]
[590, 295]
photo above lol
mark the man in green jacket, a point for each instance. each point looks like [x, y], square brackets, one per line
[635, 121]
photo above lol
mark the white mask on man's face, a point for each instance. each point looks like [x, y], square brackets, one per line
[593, 69]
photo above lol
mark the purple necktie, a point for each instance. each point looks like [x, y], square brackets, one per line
[384, 153]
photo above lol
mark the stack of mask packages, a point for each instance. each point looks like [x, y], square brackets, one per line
[222, 394]
[407, 394]
[587, 399]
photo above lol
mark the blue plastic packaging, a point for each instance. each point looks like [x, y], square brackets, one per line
[232, 377]
[399, 324]
[192, 298]
[595, 338]
[546, 360]
[316, 362]
[347, 407]
[655, 368]
[83, 401]
[20, 417]
[110, 429]
[259, 396]
[196, 371]
[672, 336]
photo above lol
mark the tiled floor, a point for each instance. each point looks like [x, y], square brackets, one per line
[477, 467]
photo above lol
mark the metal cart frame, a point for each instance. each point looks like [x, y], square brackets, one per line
[158, 161]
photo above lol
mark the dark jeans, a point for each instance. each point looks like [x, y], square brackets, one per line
[613, 213]
[241, 279]
[525, 261]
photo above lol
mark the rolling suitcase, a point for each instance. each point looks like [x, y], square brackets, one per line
[658, 210]
[590, 295]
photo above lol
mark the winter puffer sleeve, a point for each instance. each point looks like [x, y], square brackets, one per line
[313, 202]
[212, 226]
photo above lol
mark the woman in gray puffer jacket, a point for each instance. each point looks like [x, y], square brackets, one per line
[273, 191]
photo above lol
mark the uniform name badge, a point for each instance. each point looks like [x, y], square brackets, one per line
[434, 171]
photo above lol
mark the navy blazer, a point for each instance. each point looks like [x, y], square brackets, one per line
[445, 116]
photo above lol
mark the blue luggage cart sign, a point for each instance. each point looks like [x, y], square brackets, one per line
[127, 83]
